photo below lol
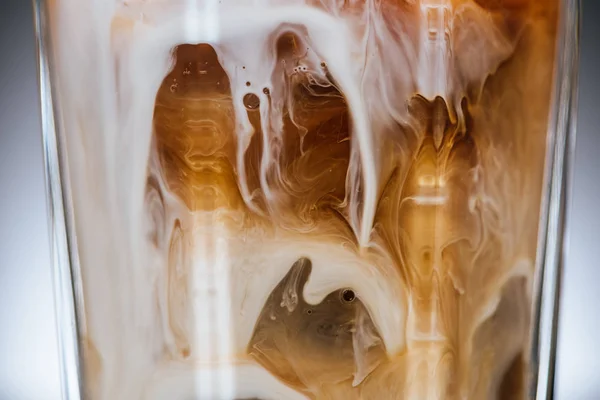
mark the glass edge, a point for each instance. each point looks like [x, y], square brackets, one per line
[553, 236]
[60, 255]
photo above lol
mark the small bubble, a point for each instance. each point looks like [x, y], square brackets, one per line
[244, 67]
[248, 83]
[309, 311]
[266, 91]
[426, 256]
[323, 64]
[185, 352]
[251, 101]
[348, 296]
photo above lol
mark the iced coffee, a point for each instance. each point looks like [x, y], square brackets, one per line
[305, 199]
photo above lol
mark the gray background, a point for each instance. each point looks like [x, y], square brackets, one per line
[28, 356]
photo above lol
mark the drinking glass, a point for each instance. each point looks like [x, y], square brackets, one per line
[307, 199]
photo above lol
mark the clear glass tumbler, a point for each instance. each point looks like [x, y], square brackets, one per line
[307, 199]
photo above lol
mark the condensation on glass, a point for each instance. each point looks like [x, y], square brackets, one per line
[307, 199]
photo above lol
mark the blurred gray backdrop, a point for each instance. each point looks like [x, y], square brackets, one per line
[28, 356]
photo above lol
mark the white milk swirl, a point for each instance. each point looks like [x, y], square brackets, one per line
[301, 199]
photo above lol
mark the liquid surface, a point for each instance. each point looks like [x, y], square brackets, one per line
[305, 199]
